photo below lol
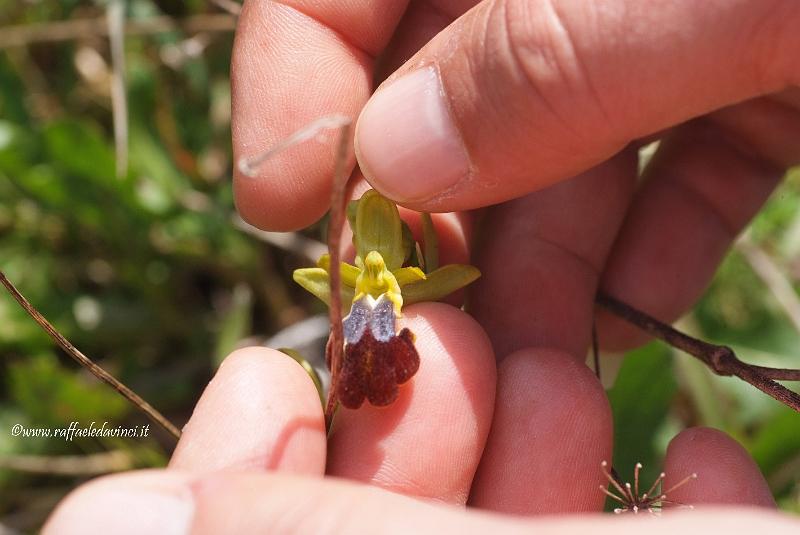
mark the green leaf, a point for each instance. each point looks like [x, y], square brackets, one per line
[440, 283]
[409, 246]
[316, 281]
[430, 243]
[51, 394]
[778, 441]
[235, 323]
[379, 228]
[80, 149]
[352, 210]
[640, 403]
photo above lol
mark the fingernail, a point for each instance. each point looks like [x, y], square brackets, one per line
[407, 144]
[137, 505]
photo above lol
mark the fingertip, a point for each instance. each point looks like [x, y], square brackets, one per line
[552, 427]
[275, 206]
[401, 447]
[408, 145]
[278, 49]
[456, 341]
[261, 411]
[148, 501]
[726, 474]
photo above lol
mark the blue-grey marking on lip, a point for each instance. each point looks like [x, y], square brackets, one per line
[356, 322]
[378, 314]
[382, 321]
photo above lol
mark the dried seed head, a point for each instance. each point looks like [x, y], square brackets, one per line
[630, 499]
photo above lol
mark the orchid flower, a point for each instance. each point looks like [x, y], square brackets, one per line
[387, 274]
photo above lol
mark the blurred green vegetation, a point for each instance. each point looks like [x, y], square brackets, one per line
[147, 274]
[659, 391]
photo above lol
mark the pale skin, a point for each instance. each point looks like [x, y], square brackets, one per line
[502, 416]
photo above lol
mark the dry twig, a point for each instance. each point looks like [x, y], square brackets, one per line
[335, 346]
[249, 166]
[67, 30]
[155, 416]
[70, 465]
[721, 359]
[115, 14]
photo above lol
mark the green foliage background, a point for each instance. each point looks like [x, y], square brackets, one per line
[147, 274]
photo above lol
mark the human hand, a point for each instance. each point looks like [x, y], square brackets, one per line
[541, 109]
[253, 455]
[535, 92]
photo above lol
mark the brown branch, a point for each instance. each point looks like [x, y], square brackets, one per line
[249, 166]
[155, 416]
[67, 30]
[779, 374]
[721, 359]
[335, 345]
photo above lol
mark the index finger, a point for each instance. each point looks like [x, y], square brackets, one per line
[726, 474]
[293, 62]
[401, 447]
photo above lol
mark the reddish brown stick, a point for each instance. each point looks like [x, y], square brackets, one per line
[721, 359]
[155, 416]
[335, 345]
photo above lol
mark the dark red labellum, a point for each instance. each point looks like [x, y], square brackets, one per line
[376, 358]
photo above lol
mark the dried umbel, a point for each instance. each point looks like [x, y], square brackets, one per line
[652, 501]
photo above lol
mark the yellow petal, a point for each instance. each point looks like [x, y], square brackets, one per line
[348, 272]
[408, 275]
[317, 282]
[375, 279]
[440, 283]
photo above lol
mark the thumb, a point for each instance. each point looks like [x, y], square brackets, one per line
[515, 95]
[228, 502]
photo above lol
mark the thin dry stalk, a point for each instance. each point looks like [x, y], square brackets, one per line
[115, 14]
[248, 166]
[721, 359]
[68, 30]
[335, 226]
[155, 416]
[70, 465]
